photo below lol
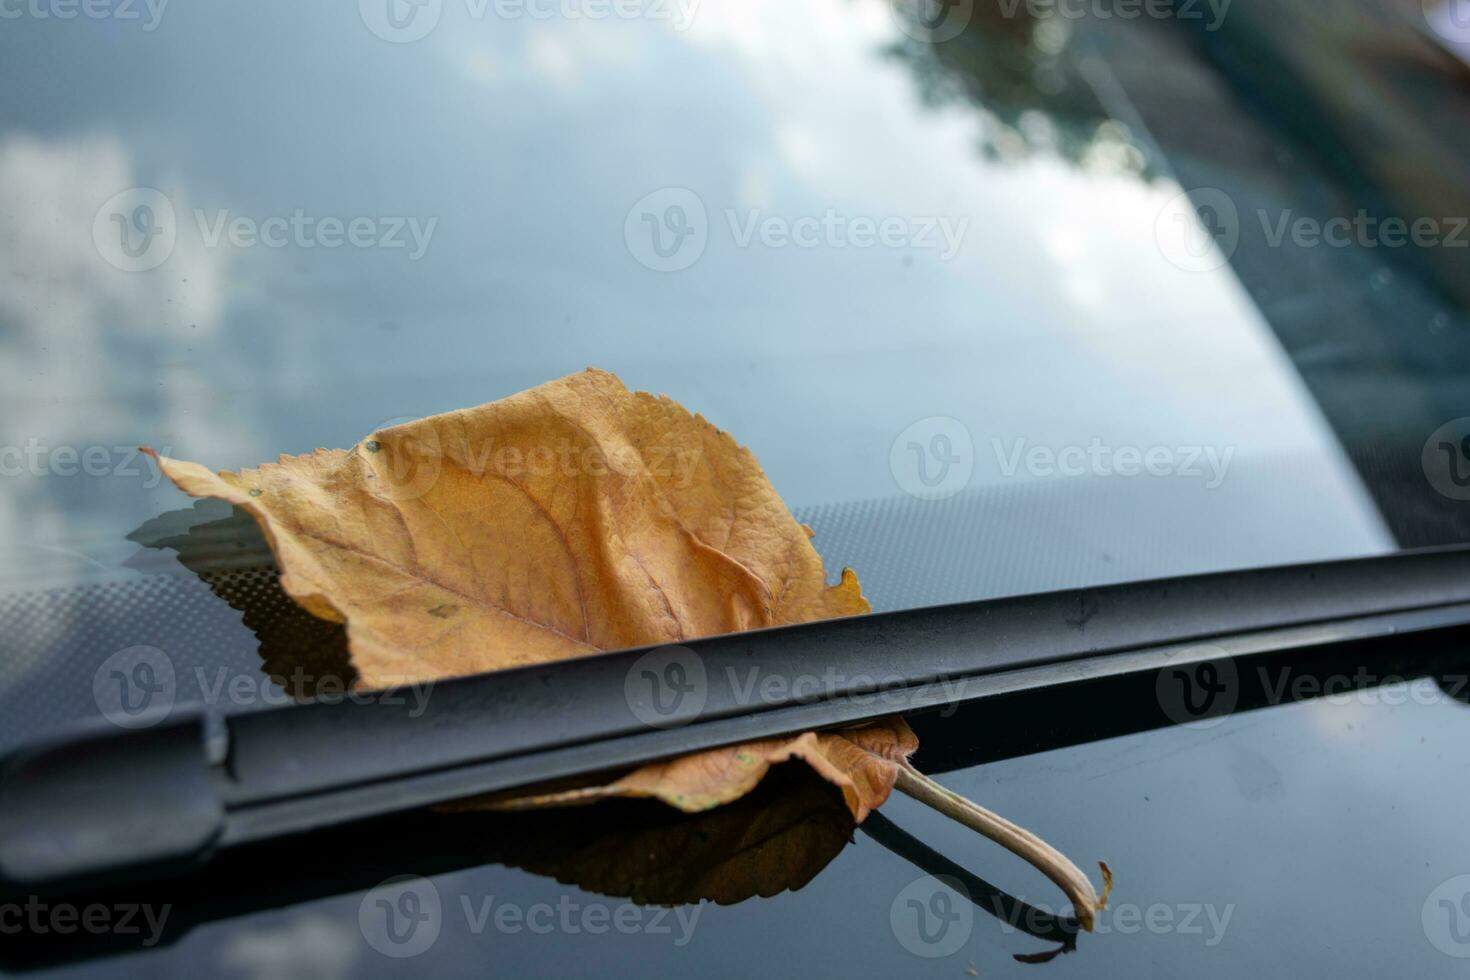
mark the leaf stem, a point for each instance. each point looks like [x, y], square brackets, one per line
[1018, 840]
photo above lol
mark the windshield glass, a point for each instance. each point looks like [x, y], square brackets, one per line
[951, 294]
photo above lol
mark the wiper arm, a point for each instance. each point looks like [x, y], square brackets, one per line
[100, 805]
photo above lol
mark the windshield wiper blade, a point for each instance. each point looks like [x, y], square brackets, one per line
[104, 805]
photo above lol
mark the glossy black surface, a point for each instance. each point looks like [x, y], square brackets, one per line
[1313, 837]
[160, 803]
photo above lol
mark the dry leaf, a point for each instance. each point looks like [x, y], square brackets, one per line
[775, 838]
[569, 519]
[572, 518]
[862, 762]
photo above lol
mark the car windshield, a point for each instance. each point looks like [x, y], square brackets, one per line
[942, 276]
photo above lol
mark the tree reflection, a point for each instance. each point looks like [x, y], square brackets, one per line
[1026, 76]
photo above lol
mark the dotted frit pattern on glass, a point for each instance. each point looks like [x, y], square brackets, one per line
[234, 625]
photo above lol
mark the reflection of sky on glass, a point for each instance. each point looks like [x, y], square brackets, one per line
[1058, 321]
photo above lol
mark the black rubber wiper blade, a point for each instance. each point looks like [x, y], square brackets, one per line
[103, 805]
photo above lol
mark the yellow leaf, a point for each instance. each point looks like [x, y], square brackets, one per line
[569, 519]
[775, 838]
[863, 762]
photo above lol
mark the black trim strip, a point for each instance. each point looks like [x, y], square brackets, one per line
[302, 768]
